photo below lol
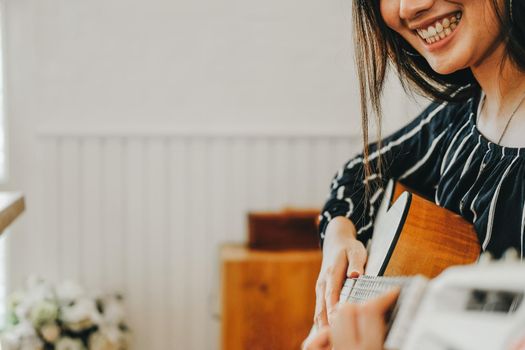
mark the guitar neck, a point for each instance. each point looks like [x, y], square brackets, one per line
[359, 290]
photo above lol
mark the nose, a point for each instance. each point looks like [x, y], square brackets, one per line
[410, 9]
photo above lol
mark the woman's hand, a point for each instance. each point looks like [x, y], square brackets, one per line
[318, 340]
[362, 326]
[343, 256]
[355, 326]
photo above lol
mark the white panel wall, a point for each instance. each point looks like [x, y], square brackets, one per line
[145, 214]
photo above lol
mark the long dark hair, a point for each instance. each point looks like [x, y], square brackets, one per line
[377, 46]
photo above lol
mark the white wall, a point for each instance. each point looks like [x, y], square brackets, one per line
[126, 65]
[224, 62]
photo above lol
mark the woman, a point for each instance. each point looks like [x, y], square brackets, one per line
[466, 150]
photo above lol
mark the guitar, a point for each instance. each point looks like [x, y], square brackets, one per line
[471, 307]
[414, 237]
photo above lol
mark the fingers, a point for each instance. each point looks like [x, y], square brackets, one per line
[334, 283]
[372, 323]
[356, 260]
[339, 249]
[320, 316]
[319, 341]
[382, 303]
[362, 325]
[345, 334]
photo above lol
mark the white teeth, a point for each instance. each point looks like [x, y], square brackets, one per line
[440, 29]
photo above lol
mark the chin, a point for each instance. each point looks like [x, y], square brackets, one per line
[445, 68]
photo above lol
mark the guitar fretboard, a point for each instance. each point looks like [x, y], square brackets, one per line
[358, 290]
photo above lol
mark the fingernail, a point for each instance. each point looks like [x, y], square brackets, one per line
[354, 274]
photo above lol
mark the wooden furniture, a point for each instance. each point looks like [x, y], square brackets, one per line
[288, 229]
[12, 204]
[268, 297]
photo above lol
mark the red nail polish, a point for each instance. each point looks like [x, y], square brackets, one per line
[354, 274]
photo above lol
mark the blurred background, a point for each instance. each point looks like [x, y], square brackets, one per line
[142, 132]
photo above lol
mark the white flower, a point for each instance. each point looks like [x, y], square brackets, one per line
[31, 344]
[14, 300]
[69, 291]
[8, 342]
[38, 289]
[24, 303]
[113, 312]
[21, 337]
[114, 334]
[22, 310]
[50, 332]
[43, 312]
[23, 330]
[67, 343]
[80, 315]
[99, 341]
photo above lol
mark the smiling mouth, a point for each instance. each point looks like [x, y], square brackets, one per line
[440, 29]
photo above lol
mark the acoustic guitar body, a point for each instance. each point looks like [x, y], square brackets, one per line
[412, 235]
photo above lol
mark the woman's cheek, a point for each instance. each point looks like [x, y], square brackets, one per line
[390, 13]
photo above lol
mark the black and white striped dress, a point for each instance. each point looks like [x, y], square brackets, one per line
[442, 155]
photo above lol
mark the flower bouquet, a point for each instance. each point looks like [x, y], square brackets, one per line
[45, 317]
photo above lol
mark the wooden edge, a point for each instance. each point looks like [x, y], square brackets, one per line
[399, 230]
[11, 209]
[285, 214]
